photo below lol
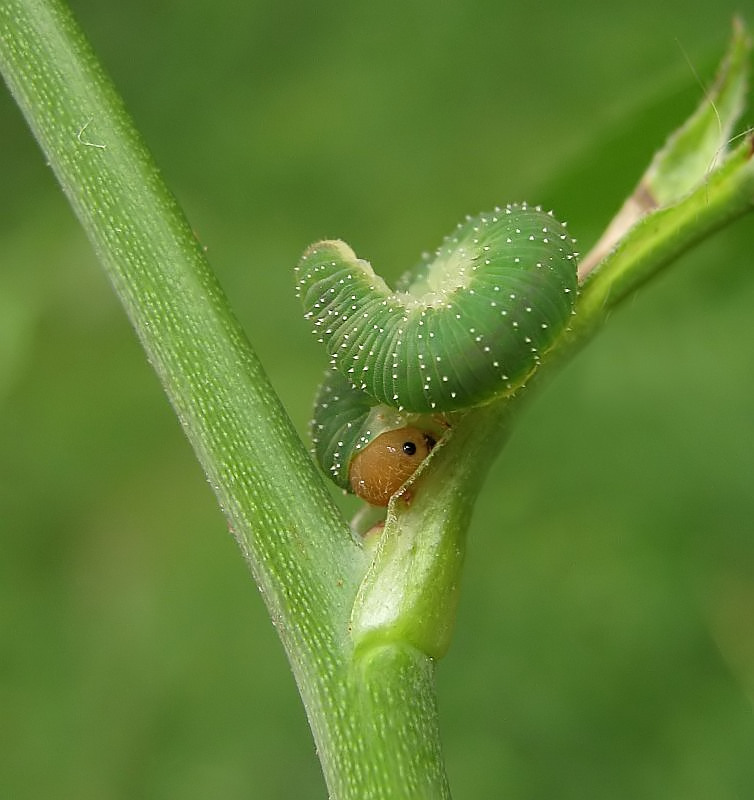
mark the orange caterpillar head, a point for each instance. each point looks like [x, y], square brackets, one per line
[379, 470]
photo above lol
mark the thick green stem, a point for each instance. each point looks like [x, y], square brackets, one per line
[300, 551]
[251, 454]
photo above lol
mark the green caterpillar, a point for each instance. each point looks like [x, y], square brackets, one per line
[460, 329]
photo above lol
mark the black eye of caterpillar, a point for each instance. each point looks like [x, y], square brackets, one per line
[409, 448]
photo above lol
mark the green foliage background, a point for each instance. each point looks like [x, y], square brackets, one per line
[605, 645]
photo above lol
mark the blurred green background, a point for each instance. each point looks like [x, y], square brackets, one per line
[605, 644]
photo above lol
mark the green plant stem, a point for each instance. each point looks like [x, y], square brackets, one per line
[374, 737]
[217, 386]
[659, 238]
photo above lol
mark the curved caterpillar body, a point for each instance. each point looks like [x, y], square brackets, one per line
[470, 324]
[459, 330]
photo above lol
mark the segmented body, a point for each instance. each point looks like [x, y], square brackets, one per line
[471, 324]
[464, 327]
